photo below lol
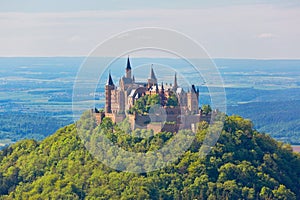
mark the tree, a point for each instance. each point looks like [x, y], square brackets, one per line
[61, 167]
[206, 109]
[266, 193]
[106, 124]
[172, 100]
[282, 193]
[153, 99]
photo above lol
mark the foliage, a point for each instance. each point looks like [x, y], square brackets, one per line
[172, 100]
[206, 109]
[144, 103]
[279, 121]
[244, 164]
[17, 125]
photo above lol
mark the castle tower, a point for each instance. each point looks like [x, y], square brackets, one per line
[128, 68]
[193, 100]
[108, 89]
[152, 80]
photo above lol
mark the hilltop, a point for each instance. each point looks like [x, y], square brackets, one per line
[244, 164]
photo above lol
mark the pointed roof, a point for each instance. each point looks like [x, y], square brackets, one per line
[194, 89]
[128, 67]
[110, 81]
[152, 74]
[175, 81]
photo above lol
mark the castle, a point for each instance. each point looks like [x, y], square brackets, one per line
[175, 108]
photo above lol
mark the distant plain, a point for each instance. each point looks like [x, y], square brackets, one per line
[36, 93]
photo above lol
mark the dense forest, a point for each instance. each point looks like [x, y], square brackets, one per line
[16, 125]
[277, 118]
[244, 164]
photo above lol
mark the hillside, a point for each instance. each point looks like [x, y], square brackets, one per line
[244, 164]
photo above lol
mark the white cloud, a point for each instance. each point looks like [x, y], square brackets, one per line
[266, 36]
[223, 31]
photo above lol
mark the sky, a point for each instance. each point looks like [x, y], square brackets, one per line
[226, 29]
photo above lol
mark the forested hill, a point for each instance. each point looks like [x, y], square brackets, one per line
[244, 164]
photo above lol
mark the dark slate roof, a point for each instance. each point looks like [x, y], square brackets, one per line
[128, 64]
[152, 74]
[110, 81]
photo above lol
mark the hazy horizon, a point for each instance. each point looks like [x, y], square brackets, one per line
[133, 57]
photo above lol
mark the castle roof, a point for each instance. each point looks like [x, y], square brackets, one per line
[128, 67]
[126, 80]
[110, 81]
[132, 93]
[194, 89]
[152, 74]
[175, 81]
[162, 86]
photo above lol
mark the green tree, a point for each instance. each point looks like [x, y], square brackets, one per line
[172, 100]
[243, 164]
[282, 193]
[206, 109]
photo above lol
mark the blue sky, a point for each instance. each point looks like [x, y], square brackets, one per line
[229, 29]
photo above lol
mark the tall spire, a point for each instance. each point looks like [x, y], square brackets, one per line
[128, 67]
[152, 79]
[110, 81]
[152, 74]
[175, 86]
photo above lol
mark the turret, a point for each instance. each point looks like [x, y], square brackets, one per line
[108, 88]
[152, 80]
[152, 74]
[110, 81]
[195, 91]
[193, 100]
